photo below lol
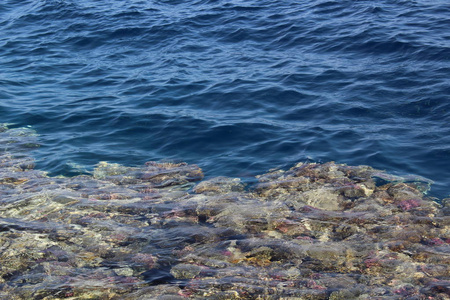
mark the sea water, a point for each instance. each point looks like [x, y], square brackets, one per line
[237, 87]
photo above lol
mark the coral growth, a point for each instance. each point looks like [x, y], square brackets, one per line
[315, 231]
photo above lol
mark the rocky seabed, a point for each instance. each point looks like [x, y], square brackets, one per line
[160, 231]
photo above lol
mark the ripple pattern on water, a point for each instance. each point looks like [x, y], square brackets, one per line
[235, 86]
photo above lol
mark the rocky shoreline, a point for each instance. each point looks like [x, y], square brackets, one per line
[315, 231]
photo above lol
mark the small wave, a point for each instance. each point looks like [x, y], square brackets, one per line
[231, 85]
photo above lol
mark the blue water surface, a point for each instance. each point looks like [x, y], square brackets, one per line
[237, 87]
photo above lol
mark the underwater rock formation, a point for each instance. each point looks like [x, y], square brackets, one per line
[315, 231]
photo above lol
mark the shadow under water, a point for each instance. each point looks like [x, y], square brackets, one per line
[315, 231]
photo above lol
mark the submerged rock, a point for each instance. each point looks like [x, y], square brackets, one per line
[219, 185]
[315, 231]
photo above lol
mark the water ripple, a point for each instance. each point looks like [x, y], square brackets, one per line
[237, 87]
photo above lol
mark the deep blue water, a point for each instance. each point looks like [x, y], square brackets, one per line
[237, 87]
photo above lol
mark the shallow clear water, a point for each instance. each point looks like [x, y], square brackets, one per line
[161, 231]
[237, 87]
